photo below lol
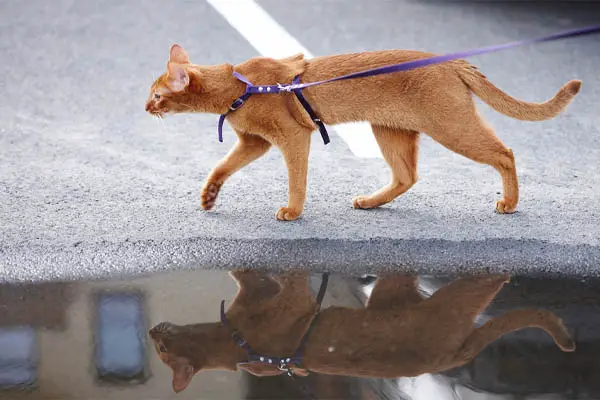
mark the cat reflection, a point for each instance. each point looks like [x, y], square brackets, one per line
[398, 334]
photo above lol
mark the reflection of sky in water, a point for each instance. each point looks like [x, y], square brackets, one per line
[120, 347]
[17, 356]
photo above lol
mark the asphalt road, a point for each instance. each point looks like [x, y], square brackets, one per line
[91, 186]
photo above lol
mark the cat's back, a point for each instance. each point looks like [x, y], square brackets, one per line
[325, 67]
[268, 71]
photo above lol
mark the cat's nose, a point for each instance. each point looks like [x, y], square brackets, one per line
[148, 106]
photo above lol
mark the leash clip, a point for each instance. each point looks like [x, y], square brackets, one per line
[284, 366]
[283, 88]
[287, 88]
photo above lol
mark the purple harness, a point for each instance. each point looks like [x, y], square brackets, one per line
[283, 363]
[296, 87]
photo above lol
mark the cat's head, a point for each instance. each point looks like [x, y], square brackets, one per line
[170, 92]
[181, 349]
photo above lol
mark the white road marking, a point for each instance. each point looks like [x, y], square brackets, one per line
[271, 40]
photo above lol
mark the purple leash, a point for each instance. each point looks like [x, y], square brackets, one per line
[296, 87]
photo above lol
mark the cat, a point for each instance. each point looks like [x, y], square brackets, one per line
[397, 334]
[274, 312]
[436, 100]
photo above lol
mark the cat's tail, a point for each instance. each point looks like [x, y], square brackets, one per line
[512, 321]
[512, 107]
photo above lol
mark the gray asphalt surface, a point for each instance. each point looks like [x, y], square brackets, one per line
[91, 186]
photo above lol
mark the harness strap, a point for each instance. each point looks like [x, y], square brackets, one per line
[251, 89]
[283, 363]
[322, 290]
[320, 296]
[234, 106]
[310, 111]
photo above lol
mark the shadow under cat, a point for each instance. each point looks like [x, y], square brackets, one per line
[397, 333]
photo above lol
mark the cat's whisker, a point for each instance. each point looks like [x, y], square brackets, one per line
[161, 122]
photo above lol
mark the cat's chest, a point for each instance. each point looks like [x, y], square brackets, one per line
[268, 116]
[255, 123]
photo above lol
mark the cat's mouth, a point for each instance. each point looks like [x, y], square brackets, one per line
[153, 110]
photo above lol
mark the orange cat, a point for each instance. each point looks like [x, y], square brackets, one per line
[436, 100]
[397, 334]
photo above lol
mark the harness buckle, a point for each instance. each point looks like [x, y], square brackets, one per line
[283, 365]
[236, 104]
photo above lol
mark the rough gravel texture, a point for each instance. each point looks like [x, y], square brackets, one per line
[91, 186]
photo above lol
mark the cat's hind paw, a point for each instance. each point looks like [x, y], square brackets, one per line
[287, 214]
[568, 345]
[209, 194]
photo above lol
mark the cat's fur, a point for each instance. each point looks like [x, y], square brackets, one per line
[436, 100]
[398, 333]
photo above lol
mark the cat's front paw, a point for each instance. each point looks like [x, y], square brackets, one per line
[362, 203]
[503, 207]
[287, 214]
[209, 194]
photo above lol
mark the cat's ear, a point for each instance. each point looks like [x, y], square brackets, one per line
[177, 77]
[183, 373]
[178, 55]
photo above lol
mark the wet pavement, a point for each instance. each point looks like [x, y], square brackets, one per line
[89, 339]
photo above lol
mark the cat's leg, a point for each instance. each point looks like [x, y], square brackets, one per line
[295, 287]
[469, 296]
[295, 298]
[292, 279]
[254, 286]
[467, 134]
[512, 321]
[394, 291]
[261, 370]
[287, 316]
[399, 148]
[295, 152]
[247, 149]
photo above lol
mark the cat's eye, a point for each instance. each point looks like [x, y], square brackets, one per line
[156, 96]
[162, 348]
